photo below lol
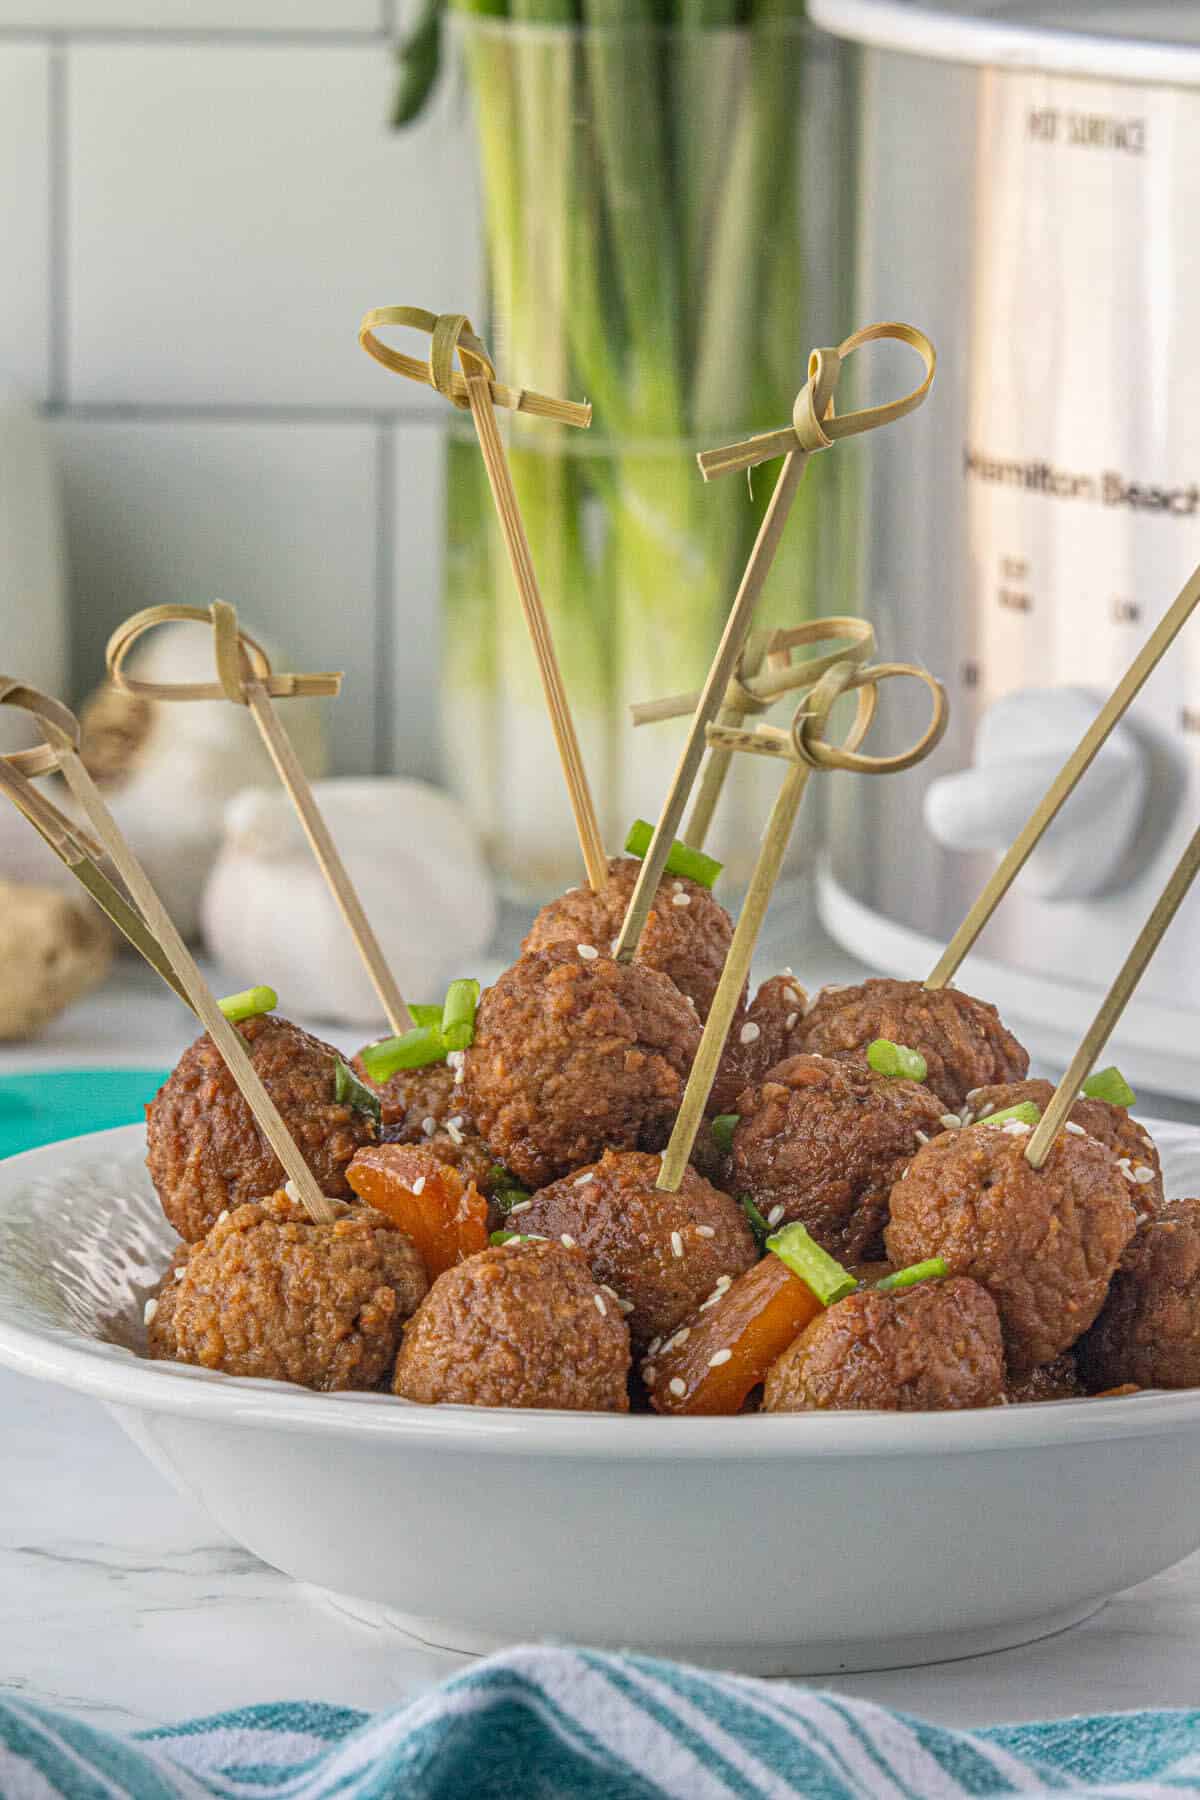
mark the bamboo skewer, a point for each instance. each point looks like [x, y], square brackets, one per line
[814, 427]
[805, 749]
[1067, 779]
[61, 732]
[1113, 1005]
[245, 677]
[476, 389]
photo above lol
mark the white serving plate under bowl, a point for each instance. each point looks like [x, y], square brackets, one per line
[782, 1545]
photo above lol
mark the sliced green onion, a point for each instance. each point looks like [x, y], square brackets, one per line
[1028, 1113]
[458, 1014]
[931, 1270]
[887, 1058]
[821, 1272]
[505, 1198]
[347, 1086]
[249, 1005]
[723, 1128]
[516, 1237]
[757, 1223]
[426, 1015]
[424, 1044]
[681, 860]
[1110, 1085]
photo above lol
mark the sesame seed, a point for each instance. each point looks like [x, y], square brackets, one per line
[605, 1289]
[520, 1207]
[705, 1231]
[988, 1107]
[453, 1132]
[418, 1186]
[681, 1337]
[724, 1281]
[749, 1032]
[793, 995]
[717, 1294]
[951, 1121]
[291, 1190]
[966, 1118]
[612, 946]
[676, 1244]
[626, 1306]
[654, 1347]
[148, 1311]
[1016, 1128]
[567, 1240]
[222, 1215]
[600, 1306]
[181, 1271]
[1074, 1129]
[790, 1021]
[456, 1058]
[681, 899]
[775, 1214]
[720, 1356]
[677, 1386]
[1142, 1175]
[582, 1180]
[691, 1002]
[922, 1137]
[587, 952]
[456, 1121]
[429, 1125]
[460, 1074]
[678, 886]
[1126, 1169]
[789, 972]
[648, 1374]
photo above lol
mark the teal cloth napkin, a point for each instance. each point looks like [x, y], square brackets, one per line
[540, 1724]
[62, 1103]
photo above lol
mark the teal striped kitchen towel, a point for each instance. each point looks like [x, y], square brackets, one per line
[558, 1724]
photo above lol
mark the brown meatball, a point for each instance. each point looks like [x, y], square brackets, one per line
[1057, 1380]
[206, 1153]
[661, 1252]
[576, 1055]
[1129, 1142]
[519, 1325]
[764, 1034]
[411, 1098]
[1149, 1329]
[686, 936]
[822, 1142]
[271, 1294]
[1044, 1242]
[962, 1040]
[935, 1347]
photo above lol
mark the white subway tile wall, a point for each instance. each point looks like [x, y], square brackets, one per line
[201, 198]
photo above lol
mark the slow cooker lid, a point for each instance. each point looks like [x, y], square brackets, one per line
[1119, 40]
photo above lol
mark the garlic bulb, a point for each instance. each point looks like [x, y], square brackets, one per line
[268, 915]
[51, 951]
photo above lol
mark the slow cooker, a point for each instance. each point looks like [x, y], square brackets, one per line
[1029, 192]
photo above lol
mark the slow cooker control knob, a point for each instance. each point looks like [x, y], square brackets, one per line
[1022, 742]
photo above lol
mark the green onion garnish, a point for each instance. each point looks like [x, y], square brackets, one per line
[516, 1237]
[723, 1128]
[248, 1005]
[887, 1058]
[347, 1086]
[458, 1014]
[426, 1015]
[1110, 1085]
[681, 859]
[505, 1198]
[815, 1267]
[1028, 1113]
[424, 1044]
[757, 1223]
[931, 1270]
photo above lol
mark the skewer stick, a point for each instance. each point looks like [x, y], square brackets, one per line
[814, 427]
[245, 677]
[1067, 779]
[1113, 1005]
[61, 732]
[476, 389]
[805, 749]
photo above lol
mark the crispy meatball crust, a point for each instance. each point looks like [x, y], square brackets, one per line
[574, 1056]
[935, 1347]
[686, 936]
[206, 1153]
[518, 1325]
[1129, 1142]
[1149, 1329]
[271, 1294]
[426, 1107]
[628, 1231]
[962, 1039]
[821, 1142]
[1057, 1380]
[1044, 1242]
[776, 1014]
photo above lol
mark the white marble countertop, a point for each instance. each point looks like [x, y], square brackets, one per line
[122, 1603]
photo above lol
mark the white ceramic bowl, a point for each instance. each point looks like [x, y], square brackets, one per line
[790, 1544]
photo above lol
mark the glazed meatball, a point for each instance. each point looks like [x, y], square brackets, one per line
[416, 1101]
[519, 1325]
[206, 1153]
[764, 1034]
[660, 1253]
[686, 936]
[575, 1054]
[821, 1142]
[1129, 1142]
[962, 1040]
[269, 1293]
[935, 1347]
[1057, 1380]
[1044, 1242]
[1149, 1330]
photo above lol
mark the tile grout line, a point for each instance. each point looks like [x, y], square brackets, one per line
[57, 258]
[385, 640]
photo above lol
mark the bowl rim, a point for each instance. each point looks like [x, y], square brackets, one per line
[121, 1379]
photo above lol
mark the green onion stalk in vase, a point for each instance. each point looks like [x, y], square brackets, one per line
[645, 168]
